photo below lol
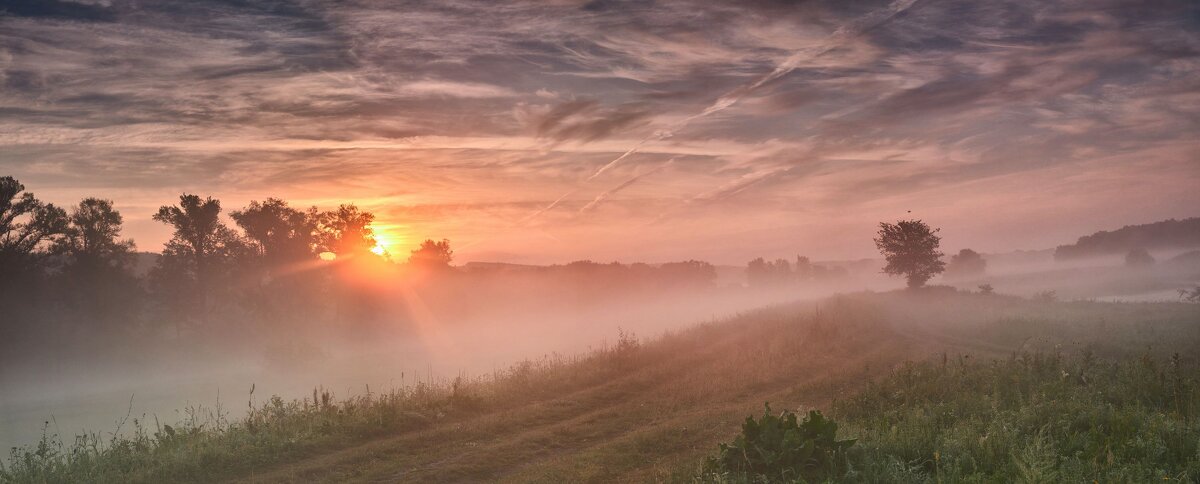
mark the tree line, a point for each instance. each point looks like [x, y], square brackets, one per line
[70, 271]
[910, 249]
[60, 266]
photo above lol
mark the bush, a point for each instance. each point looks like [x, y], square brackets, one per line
[780, 448]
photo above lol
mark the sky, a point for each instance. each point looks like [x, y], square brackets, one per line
[557, 130]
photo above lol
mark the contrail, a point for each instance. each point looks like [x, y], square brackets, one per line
[547, 207]
[784, 68]
[610, 192]
[839, 36]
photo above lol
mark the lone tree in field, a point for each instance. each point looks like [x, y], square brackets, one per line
[911, 250]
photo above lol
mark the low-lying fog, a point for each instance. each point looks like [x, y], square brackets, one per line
[440, 334]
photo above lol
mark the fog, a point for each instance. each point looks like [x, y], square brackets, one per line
[479, 320]
[471, 325]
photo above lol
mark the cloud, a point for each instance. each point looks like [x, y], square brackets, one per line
[454, 89]
[770, 107]
[583, 120]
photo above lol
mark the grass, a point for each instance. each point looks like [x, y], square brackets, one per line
[1029, 418]
[653, 410]
[207, 446]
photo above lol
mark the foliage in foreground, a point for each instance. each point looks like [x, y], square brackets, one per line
[778, 447]
[1030, 418]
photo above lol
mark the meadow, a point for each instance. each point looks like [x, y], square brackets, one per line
[935, 385]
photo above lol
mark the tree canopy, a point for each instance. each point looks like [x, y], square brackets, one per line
[432, 255]
[966, 263]
[25, 222]
[911, 250]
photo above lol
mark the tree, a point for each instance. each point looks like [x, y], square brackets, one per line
[1139, 257]
[92, 239]
[346, 231]
[26, 224]
[804, 268]
[758, 272]
[201, 253]
[281, 239]
[966, 263]
[200, 237]
[911, 250]
[27, 227]
[432, 255]
[277, 233]
[96, 279]
[689, 273]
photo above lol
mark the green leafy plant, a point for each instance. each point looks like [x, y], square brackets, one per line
[780, 447]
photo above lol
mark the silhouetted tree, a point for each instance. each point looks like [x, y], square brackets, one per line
[966, 263]
[92, 239]
[26, 224]
[200, 255]
[804, 268]
[781, 271]
[27, 227]
[282, 240]
[96, 278]
[346, 231]
[911, 250]
[432, 255]
[277, 233]
[1139, 257]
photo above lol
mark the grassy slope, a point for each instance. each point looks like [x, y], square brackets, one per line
[663, 408]
[673, 399]
[639, 412]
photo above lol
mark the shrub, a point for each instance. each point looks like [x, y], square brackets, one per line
[778, 447]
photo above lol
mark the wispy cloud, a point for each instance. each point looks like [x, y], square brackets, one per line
[495, 115]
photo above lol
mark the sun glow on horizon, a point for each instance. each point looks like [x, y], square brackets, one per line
[386, 241]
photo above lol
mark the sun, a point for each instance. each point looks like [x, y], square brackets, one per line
[388, 237]
[382, 243]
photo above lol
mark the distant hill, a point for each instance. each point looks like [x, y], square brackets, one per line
[1186, 258]
[1158, 235]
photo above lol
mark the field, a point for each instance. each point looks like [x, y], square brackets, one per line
[936, 385]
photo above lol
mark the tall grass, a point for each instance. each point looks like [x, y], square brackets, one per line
[1036, 417]
[206, 446]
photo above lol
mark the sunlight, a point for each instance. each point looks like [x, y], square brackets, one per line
[387, 240]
